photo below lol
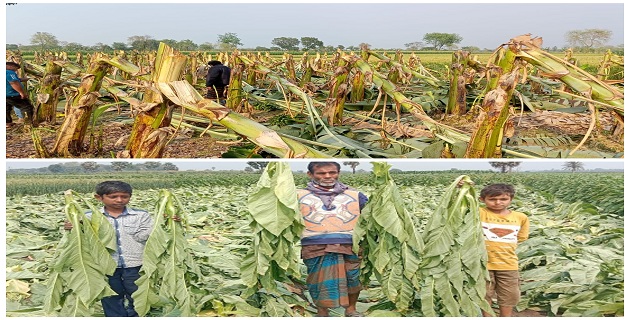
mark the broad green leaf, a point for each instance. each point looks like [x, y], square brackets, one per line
[167, 264]
[274, 204]
[387, 235]
[276, 222]
[81, 265]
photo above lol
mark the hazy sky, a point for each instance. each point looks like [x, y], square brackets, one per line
[407, 165]
[484, 25]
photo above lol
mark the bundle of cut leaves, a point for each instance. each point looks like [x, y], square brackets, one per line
[168, 271]
[386, 235]
[82, 262]
[272, 263]
[453, 271]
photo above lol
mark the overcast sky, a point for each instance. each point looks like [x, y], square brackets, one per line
[484, 25]
[407, 165]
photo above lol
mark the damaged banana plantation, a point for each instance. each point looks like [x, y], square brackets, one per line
[519, 102]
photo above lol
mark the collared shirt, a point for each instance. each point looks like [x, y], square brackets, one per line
[12, 77]
[132, 229]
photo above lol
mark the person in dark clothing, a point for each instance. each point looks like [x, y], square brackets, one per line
[217, 79]
[16, 95]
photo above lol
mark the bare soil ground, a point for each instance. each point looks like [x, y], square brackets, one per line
[113, 135]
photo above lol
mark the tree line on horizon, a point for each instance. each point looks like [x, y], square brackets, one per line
[587, 40]
[253, 166]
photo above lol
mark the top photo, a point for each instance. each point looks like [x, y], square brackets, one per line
[314, 80]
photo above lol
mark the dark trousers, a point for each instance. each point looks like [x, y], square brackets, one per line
[122, 282]
[215, 92]
[23, 104]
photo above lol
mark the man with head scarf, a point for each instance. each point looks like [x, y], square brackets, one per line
[330, 210]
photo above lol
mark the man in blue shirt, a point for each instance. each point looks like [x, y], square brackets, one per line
[16, 95]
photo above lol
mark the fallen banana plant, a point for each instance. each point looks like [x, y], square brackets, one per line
[168, 268]
[184, 94]
[82, 262]
[319, 126]
[580, 81]
[442, 131]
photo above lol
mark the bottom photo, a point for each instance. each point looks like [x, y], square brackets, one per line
[300, 238]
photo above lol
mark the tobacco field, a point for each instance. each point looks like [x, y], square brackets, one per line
[572, 264]
[520, 102]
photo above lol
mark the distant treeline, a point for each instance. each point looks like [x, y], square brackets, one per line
[94, 167]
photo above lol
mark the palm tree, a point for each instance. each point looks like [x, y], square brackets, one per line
[352, 164]
[573, 166]
[505, 166]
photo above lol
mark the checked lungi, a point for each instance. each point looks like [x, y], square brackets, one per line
[331, 275]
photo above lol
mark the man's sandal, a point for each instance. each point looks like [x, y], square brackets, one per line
[355, 314]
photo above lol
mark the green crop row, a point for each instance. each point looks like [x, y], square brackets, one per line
[604, 190]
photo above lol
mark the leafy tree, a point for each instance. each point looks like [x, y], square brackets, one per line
[207, 46]
[44, 40]
[471, 49]
[248, 169]
[168, 166]
[588, 38]
[414, 45]
[56, 168]
[573, 166]
[186, 45]
[258, 165]
[352, 164]
[89, 166]
[505, 166]
[152, 165]
[143, 43]
[170, 42]
[99, 46]
[119, 46]
[440, 40]
[11, 46]
[364, 45]
[286, 43]
[340, 47]
[311, 43]
[74, 47]
[121, 165]
[229, 41]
